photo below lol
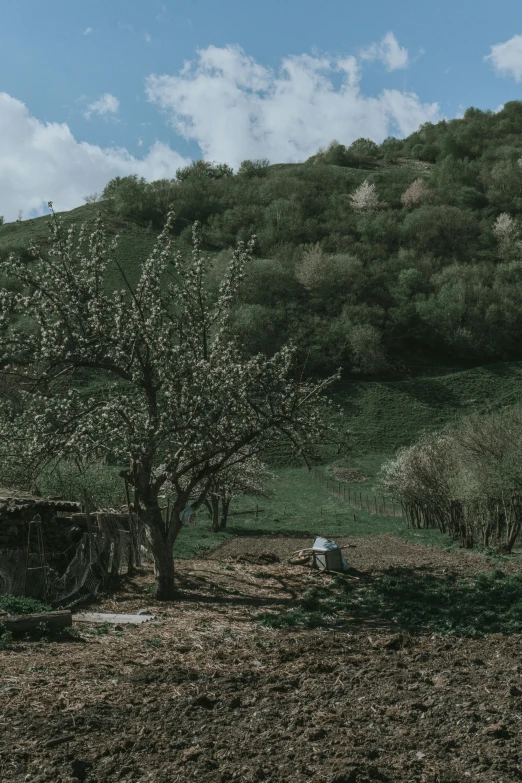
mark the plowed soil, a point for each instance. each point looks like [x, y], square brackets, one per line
[202, 692]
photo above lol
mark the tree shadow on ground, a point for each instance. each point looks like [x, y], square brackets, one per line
[413, 601]
[205, 590]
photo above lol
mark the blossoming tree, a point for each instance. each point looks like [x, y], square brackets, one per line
[364, 199]
[170, 392]
[246, 475]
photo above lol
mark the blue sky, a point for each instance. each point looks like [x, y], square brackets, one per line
[93, 90]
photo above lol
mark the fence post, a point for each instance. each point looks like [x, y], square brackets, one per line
[344, 493]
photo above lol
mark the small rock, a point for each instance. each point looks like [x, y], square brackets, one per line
[118, 627]
[514, 691]
[144, 611]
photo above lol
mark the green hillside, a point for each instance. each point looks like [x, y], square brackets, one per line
[371, 257]
[416, 295]
[386, 415]
[134, 244]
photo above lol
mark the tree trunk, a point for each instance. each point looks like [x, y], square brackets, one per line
[224, 513]
[161, 547]
[214, 499]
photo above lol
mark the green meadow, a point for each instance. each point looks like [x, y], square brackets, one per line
[380, 417]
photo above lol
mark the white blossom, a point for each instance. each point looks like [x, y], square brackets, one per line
[365, 199]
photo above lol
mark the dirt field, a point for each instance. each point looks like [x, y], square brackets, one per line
[203, 693]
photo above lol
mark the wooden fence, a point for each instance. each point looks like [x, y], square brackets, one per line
[373, 504]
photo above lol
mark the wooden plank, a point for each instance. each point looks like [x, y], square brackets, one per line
[28, 622]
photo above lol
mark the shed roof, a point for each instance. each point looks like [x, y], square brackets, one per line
[13, 504]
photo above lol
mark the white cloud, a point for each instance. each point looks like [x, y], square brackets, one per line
[42, 162]
[235, 108]
[87, 31]
[147, 38]
[107, 104]
[140, 142]
[506, 58]
[388, 52]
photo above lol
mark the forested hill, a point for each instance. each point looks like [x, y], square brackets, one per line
[379, 258]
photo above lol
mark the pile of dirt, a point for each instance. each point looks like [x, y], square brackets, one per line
[205, 693]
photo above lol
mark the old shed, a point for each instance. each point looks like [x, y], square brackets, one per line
[18, 511]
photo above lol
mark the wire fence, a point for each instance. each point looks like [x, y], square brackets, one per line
[364, 501]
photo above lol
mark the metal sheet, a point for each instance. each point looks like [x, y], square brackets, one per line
[113, 619]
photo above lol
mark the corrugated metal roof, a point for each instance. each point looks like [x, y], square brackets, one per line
[13, 504]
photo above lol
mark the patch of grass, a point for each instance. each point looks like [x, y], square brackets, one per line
[198, 538]
[100, 630]
[45, 633]
[414, 603]
[6, 639]
[20, 604]
[154, 641]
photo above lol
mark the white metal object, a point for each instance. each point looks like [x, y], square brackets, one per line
[113, 619]
[328, 556]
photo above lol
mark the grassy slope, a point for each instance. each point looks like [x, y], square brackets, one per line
[381, 416]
